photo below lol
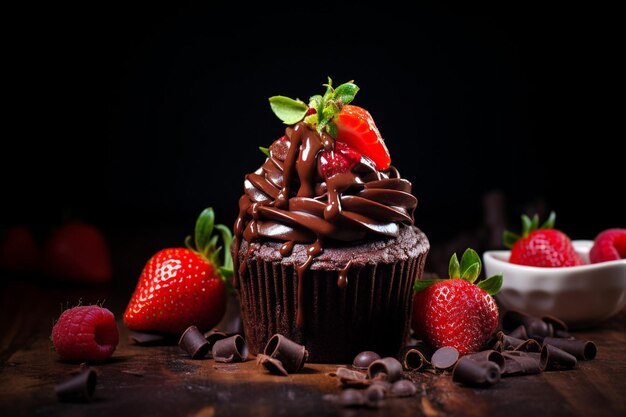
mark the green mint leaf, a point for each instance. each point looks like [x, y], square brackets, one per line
[549, 224]
[266, 151]
[468, 260]
[288, 110]
[510, 238]
[204, 229]
[422, 284]
[454, 268]
[492, 284]
[471, 273]
[331, 128]
[345, 92]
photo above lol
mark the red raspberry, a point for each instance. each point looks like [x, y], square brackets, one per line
[342, 159]
[610, 245]
[85, 333]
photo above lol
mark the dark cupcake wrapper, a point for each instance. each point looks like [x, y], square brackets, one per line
[372, 312]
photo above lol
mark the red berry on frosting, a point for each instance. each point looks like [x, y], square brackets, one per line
[181, 287]
[85, 333]
[456, 312]
[340, 160]
[356, 128]
[543, 247]
[610, 245]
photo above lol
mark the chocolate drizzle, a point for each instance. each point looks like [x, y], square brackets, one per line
[289, 199]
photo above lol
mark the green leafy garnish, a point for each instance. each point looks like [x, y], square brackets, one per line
[528, 226]
[288, 110]
[266, 151]
[492, 284]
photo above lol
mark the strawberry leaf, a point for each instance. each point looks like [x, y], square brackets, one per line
[526, 225]
[492, 284]
[345, 92]
[549, 223]
[288, 110]
[510, 238]
[227, 239]
[422, 284]
[331, 128]
[266, 151]
[454, 268]
[534, 224]
[316, 102]
[204, 229]
[468, 261]
[311, 119]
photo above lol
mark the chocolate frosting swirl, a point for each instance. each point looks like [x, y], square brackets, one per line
[290, 199]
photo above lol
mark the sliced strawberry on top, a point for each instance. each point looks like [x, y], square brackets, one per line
[356, 128]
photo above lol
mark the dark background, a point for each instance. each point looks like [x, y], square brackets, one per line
[135, 118]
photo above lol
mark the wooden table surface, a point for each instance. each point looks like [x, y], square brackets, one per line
[163, 381]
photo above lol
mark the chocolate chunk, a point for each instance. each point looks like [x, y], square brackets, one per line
[351, 398]
[521, 363]
[558, 325]
[581, 349]
[519, 332]
[231, 349]
[403, 388]
[349, 378]
[412, 359]
[529, 345]
[374, 396]
[508, 342]
[193, 342]
[387, 369]
[364, 359]
[271, 364]
[476, 373]
[213, 336]
[78, 388]
[289, 353]
[487, 356]
[445, 357]
[553, 358]
[535, 327]
[149, 339]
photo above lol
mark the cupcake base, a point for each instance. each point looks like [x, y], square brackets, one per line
[372, 312]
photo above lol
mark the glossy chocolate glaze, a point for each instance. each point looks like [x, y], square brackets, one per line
[290, 199]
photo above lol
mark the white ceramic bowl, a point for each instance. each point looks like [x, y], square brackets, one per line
[580, 295]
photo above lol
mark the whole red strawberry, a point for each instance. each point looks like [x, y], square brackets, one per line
[181, 287]
[610, 245]
[85, 333]
[544, 247]
[456, 312]
[78, 252]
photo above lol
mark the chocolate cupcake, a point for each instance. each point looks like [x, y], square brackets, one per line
[326, 252]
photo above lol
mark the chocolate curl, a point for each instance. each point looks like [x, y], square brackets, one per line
[445, 357]
[581, 349]
[487, 356]
[271, 364]
[553, 358]
[530, 345]
[403, 388]
[558, 325]
[289, 353]
[193, 342]
[476, 373]
[387, 369]
[508, 342]
[412, 359]
[231, 349]
[350, 378]
[213, 336]
[519, 332]
[364, 359]
[521, 363]
[535, 327]
[79, 388]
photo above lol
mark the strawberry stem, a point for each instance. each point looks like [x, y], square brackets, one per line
[528, 226]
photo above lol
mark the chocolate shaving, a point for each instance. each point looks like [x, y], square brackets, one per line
[558, 325]
[530, 345]
[445, 357]
[148, 339]
[349, 378]
[213, 336]
[79, 388]
[519, 332]
[387, 369]
[521, 363]
[535, 327]
[487, 356]
[231, 349]
[412, 359]
[563, 334]
[581, 349]
[291, 354]
[476, 373]
[508, 342]
[193, 342]
[271, 364]
[553, 358]
[364, 359]
[403, 388]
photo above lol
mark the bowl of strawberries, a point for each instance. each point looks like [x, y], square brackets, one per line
[582, 282]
